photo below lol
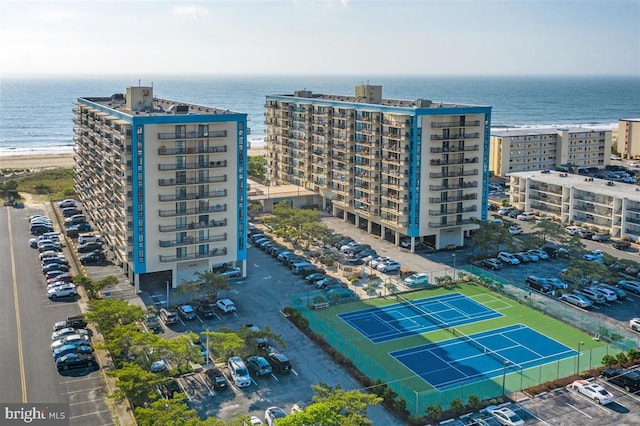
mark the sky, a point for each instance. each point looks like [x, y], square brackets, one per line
[319, 37]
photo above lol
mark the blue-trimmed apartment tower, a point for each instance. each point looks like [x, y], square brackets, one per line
[164, 182]
[405, 170]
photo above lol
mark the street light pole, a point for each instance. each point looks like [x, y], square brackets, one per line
[578, 357]
[167, 294]
[504, 375]
[454, 267]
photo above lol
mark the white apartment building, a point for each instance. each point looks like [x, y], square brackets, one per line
[398, 169]
[629, 137]
[164, 182]
[574, 199]
[520, 150]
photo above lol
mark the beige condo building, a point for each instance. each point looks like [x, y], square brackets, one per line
[405, 170]
[629, 137]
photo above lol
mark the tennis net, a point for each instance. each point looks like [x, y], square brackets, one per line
[484, 349]
[418, 310]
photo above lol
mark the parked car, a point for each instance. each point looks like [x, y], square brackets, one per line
[593, 391]
[631, 286]
[629, 380]
[66, 331]
[74, 361]
[526, 216]
[634, 324]
[609, 295]
[53, 273]
[238, 371]
[508, 258]
[505, 416]
[62, 290]
[492, 263]
[258, 365]
[65, 277]
[632, 269]
[417, 280]
[55, 259]
[600, 236]
[279, 362]
[576, 300]
[389, 266]
[585, 233]
[205, 310]
[169, 316]
[540, 253]
[55, 267]
[75, 219]
[70, 211]
[592, 295]
[538, 283]
[505, 210]
[69, 202]
[72, 348]
[231, 272]
[316, 276]
[72, 338]
[88, 247]
[523, 257]
[621, 245]
[89, 238]
[218, 380]
[515, 230]
[75, 321]
[557, 283]
[187, 312]
[272, 414]
[226, 305]
[96, 256]
[151, 321]
[620, 293]
[169, 388]
[328, 283]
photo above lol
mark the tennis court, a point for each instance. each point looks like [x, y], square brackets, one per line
[467, 359]
[390, 322]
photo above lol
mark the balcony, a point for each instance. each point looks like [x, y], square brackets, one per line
[455, 137]
[456, 223]
[194, 150]
[192, 135]
[193, 225]
[453, 199]
[474, 123]
[197, 210]
[454, 174]
[192, 256]
[193, 196]
[193, 166]
[456, 211]
[190, 240]
[192, 181]
[438, 162]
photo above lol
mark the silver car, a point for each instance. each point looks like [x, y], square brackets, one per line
[576, 300]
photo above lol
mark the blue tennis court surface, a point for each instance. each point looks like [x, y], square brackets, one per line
[401, 319]
[451, 363]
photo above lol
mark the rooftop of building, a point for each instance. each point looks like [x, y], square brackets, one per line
[372, 95]
[154, 106]
[584, 183]
[528, 131]
[637, 120]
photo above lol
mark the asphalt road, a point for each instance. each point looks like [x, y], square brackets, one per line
[27, 369]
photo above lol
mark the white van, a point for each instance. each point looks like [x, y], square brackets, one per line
[89, 238]
[525, 216]
[239, 372]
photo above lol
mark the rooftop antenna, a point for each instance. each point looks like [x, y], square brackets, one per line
[138, 82]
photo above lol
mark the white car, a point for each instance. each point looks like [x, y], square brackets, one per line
[505, 210]
[632, 164]
[272, 414]
[573, 230]
[239, 372]
[515, 230]
[232, 272]
[593, 391]
[417, 280]
[557, 283]
[68, 331]
[72, 338]
[226, 305]
[505, 416]
[255, 421]
[507, 257]
[540, 253]
[634, 324]
[62, 290]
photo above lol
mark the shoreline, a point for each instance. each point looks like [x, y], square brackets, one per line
[51, 161]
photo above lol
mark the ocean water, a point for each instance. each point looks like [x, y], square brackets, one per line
[36, 114]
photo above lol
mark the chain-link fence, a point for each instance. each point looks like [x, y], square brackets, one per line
[413, 389]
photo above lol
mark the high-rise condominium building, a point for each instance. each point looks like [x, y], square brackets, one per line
[164, 182]
[396, 168]
[523, 150]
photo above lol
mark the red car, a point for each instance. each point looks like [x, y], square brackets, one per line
[66, 278]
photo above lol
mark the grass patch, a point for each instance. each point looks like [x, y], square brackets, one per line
[57, 183]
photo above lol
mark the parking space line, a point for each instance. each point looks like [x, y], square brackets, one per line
[79, 380]
[274, 376]
[579, 410]
[294, 372]
[83, 390]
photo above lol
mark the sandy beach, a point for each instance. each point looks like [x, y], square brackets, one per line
[61, 160]
[36, 161]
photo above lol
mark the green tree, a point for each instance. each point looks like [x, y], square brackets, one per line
[487, 239]
[252, 336]
[319, 413]
[212, 283]
[107, 313]
[609, 360]
[474, 402]
[121, 339]
[189, 289]
[351, 404]
[456, 406]
[622, 358]
[93, 288]
[180, 351]
[434, 412]
[168, 412]
[256, 167]
[136, 384]
[224, 344]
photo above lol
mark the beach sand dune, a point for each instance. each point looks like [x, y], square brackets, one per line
[31, 162]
